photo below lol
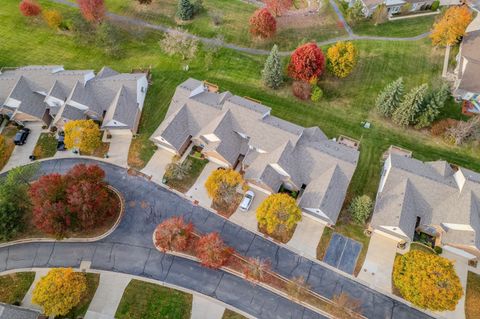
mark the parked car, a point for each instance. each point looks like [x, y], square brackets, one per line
[247, 201]
[61, 142]
[21, 136]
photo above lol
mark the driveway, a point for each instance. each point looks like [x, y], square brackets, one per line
[21, 153]
[118, 150]
[198, 191]
[306, 237]
[248, 219]
[378, 265]
[342, 253]
[129, 250]
[157, 165]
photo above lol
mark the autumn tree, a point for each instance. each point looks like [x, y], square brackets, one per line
[212, 252]
[30, 8]
[278, 213]
[390, 98]
[255, 269]
[342, 58]
[178, 42]
[451, 27]
[278, 7]
[263, 24]
[463, 131]
[178, 170]
[306, 63]
[427, 280]
[380, 15]
[272, 71]
[355, 12]
[145, 2]
[222, 185]
[83, 135]
[53, 18]
[92, 10]
[173, 234]
[408, 111]
[185, 10]
[59, 291]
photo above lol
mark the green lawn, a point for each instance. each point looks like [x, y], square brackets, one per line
[184, 184]
[13, 287]
[397, 28]
[141, 150]
[142, 300]
[422, 247]
[229, 314]
[81, 309]
[472, 298]
[46, 146]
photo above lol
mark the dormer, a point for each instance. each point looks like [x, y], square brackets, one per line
[459, 179]
[198, 90]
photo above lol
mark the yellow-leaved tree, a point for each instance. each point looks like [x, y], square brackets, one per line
[278, 213]
[427, 280]
[83, 135]
[222, 185]
[342, 58]
[451, 27]
[59, 291]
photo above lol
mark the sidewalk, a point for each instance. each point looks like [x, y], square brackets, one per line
[202, 308]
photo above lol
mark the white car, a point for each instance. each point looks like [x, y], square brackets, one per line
[247, 201]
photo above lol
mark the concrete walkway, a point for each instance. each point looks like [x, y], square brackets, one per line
[107, 297]
[198, 191]
[461, 268]
[203, 308]
[119, 147]
[21, 153]
[27, 300]
[157, 165]
[307, 236]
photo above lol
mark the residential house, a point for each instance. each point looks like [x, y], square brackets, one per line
[14, 312]
[52, 95]
[467, 73]
[393, 6]
[436, 199]
[272, 154]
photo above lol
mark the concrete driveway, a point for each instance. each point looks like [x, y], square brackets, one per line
[307, 236]
[378, 265]
[118, 150]
[21, 153]
[198, 191]
[157, 164]
[248, 219]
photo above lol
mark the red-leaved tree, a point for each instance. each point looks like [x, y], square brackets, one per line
[263, 24]
[173, 234]
[278, 7]
[30, 8]
[212, 252]
[306, 63]
[92, 10]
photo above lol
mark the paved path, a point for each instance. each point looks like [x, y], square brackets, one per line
[129, 250]
[118, 149]
[217, 42]
[307, 236]
[205, 309]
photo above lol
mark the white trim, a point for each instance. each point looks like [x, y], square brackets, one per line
[258, 188]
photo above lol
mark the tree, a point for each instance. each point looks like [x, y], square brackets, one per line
[380, 15]
[212, 252]
[222, 185]
[360, 208]
[355, 12]
[302, 90]
[342, 58]
[272, 71]
[427, 280]
[408, 111]
[263, 24]
[59, 291]
[108, 38]
[451, 27]
[278, 7]
[390, 98]
[185, 10]
[435, 101]
[178, 42]
[144, 1]
[306, 63]
[30, 8]
[278, 213]
[173, 234]
[92, 10]
[463, 131]
[53, 18]
[177, 170]
[83, 135]
[255, 269]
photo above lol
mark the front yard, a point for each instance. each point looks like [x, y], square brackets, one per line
[46, 146]
[185, 183]
[472, 299]
[6, 143]
[13, 287]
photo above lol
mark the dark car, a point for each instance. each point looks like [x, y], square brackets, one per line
[61, 142]
[21, 136]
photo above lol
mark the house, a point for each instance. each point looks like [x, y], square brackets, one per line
[14, 312]
[393, 6]
[52, 95]
[436, 199]
[467, 73]
[273, 154]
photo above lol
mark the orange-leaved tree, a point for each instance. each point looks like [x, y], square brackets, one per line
[30, 8]
[212, 251]
[278, 213]
[222, 185]
[278, 7]
[342, 58]
[451, 26]
[59, 291]
[173, 234]
[92, 10]
[427, 280]
[263, 24]
[306, 63]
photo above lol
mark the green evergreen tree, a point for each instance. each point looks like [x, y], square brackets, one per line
[390, 98]
[433, 105]
[408, 111]
[272, 71]
[185, 10]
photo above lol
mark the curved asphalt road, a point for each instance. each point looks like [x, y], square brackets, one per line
[129, 249]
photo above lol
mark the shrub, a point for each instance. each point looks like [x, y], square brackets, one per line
[263, 24]
[278, 213]
[59, 291]
[317, 94]
[177, 170]
[302, 90]
[255, 269]
[177, 42]
[108, 38]
[173, 234]
[212, 252]
[306, 63]
[53, 18]
[360, 208]
[440, 127]
[427, 280]
[342, 58]
[185, 10]
[144, 1]
[278, 7]
[435, 5]
[222, 185]
[92, 11]
[438, 250]
[297, 288]
[30, 8]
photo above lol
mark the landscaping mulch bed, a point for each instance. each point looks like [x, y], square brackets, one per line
[283, 237]
[227, 209]
[13, 287]
[100, 151]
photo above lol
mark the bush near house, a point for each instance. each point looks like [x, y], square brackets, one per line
[360, 208]
[222, 187]
[427, 280]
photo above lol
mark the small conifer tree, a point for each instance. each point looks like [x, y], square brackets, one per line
[390, 98]
[185, 10]
[434, 103]
[410, 108]
[272, 71]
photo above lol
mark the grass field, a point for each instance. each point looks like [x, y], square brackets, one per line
[472, 298]
[396, 28]
[142, 300]
[46, 146]
[13, 287]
